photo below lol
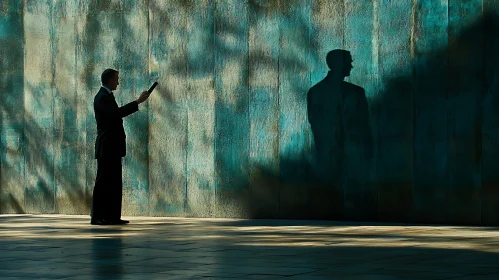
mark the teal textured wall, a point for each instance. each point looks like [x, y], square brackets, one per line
[226, 132]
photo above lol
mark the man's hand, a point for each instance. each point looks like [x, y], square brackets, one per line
[143, 96]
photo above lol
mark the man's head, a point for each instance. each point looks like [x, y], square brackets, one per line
[340, 62]
[110, 79]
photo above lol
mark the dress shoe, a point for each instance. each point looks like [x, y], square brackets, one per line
[120, 222]
[100, 222]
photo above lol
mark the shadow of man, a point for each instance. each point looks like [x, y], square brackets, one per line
[339, 118]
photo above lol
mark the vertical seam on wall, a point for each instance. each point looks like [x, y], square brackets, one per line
[215, 181]
[447, 109]
[122, 65]
[375, 53]
[451, 128]
[248, 107]
[148, 109]
[277, 100]
[278, 110]
[23, 5]
[481, 115]
[341, 177]
[76, 41]
[54, 98]
[75, 92]
[413, 57]
[149, 112]
[248, 11]
[309, 147]
[186, 108]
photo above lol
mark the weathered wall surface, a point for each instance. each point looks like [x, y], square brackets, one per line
[226, 133]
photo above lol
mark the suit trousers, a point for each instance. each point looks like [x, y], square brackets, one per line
[108, 189]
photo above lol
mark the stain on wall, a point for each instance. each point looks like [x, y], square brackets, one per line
[226, 133]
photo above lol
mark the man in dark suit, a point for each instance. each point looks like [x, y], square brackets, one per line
[339, 119]
[110, 147]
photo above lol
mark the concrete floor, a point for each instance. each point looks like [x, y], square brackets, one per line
[68, 247]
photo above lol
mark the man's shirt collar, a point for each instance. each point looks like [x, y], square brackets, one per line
[108, 90]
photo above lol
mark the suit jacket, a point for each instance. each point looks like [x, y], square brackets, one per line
[111, 138]
[339, 118]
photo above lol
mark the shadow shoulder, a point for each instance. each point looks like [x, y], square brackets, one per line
[318, 87]
[101, 94]
[354, 88]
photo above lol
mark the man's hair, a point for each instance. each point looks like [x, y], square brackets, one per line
[107, 75]
[336, 58]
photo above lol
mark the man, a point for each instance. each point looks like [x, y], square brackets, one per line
[110, 147]
[339, 119]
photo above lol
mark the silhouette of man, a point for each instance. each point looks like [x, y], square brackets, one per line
[110, 147]
[338, 116]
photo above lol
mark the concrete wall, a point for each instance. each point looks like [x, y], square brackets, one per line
[226, 132]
